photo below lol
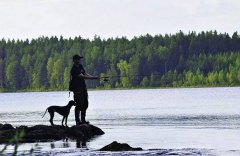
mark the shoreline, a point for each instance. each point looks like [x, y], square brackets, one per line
[109, 89]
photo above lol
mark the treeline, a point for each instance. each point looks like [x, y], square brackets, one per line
[193, 59]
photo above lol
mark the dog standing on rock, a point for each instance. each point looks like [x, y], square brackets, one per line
[62, 110]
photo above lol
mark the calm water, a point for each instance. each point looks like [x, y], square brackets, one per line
[199, 120]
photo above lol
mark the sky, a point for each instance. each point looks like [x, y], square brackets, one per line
[22, 19]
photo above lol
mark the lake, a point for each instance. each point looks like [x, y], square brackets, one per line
[184, 120]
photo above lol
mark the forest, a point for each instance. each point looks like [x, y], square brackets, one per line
[202, 59]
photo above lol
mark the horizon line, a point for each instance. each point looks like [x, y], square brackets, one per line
[116, 37]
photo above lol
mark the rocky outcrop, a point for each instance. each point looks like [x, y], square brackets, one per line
[43, 133]
[115, 146]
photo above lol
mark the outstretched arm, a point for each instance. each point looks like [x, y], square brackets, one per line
[88, 76]
[102, 77]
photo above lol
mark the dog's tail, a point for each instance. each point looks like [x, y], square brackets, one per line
[44, 113]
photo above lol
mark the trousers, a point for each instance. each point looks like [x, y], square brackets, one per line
[81, 100]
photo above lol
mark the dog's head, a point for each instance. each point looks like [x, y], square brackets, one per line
[71, 103]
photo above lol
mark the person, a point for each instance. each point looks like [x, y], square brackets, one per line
[80, 95]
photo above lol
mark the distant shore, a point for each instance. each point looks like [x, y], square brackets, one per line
[100, 89]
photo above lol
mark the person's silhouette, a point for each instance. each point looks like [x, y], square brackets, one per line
[78, 86]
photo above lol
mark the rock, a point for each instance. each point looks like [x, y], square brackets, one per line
[43, 133]
[6, 135]
[6, 127]
[22, 127]
[115, 146]
[87, 130]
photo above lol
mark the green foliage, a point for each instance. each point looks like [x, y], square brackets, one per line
[204, 59]
[66, 78]
[145, 82]
[12, 75]
[125, 72]
[112, 72]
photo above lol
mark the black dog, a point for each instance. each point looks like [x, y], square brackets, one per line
[62, 110]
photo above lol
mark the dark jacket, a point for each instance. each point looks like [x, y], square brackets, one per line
[77, 83]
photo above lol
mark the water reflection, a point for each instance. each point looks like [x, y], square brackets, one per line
[69, 143]
[81, 143]
[52, 145]
[66, 144]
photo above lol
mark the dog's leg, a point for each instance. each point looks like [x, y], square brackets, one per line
[63, 120]
[51, 117]
[66, 121]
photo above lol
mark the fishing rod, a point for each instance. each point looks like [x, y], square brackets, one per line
[106, 78]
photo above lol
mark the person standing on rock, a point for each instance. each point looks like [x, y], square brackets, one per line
[78, 86]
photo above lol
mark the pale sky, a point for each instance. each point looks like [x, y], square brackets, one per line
[115, 18]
